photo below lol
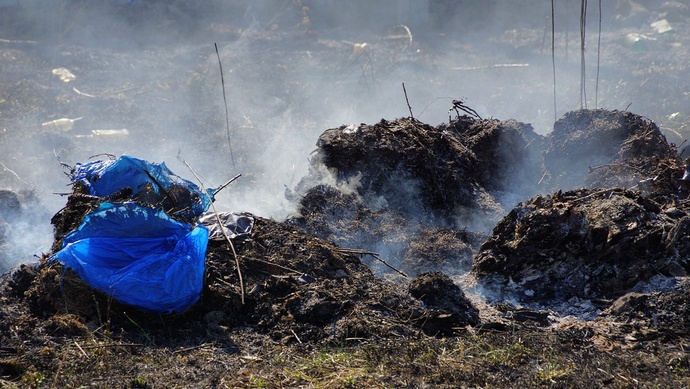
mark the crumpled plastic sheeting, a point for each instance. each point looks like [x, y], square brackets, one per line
[138, 255]
[236, 226]
[104, 178]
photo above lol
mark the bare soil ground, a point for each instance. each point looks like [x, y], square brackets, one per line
[572, 287]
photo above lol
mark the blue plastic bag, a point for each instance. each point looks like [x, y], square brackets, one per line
[139, 256]
[153, 183]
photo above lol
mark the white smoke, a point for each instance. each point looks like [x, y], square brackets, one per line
[150, 67]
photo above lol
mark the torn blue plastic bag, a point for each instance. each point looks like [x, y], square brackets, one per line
[151, 184]
[139, 256]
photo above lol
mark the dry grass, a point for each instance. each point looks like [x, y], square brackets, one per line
[526, 356]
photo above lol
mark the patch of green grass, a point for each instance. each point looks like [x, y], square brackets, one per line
[552, 372]
[139, 383]
[513, 353]
[33, 378]
[144, 333]
[680, 367]
[340, 367]
[257, 382]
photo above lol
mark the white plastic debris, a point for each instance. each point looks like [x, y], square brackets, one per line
[62, 124]
[110, 132]
[662, 26]
[638, 41]
[64, 74]
[357, 48]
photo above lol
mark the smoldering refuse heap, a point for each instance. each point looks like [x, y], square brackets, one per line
[380, 185]
[590, 243]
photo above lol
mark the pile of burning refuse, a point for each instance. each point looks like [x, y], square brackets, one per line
[593, 212]
[602, 211]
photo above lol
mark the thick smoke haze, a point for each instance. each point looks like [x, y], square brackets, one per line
[148, 71]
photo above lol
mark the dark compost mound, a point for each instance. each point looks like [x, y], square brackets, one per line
[413, 167]
[403, 161]
[585, 243]
[444, 249]
[440, 293]
[297, 288]
[412, 191]
[595, 243]
[602, 148]
[507, 152]
[652, 315]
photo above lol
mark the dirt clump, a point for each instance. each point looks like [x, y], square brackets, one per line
[300, 284]
[342, 218]
[72, 215]
[441, 249]
[603, 148]
[585, 244]
[440, 293]
[409, 190]
[415, 168]
[651, 315]
[624, 234]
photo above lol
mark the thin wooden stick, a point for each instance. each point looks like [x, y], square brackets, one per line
[374, 255]
[225, 100]
[81, 349]
[114, 345]
[408, 101]
[158, 184]
[296, 337]
[583, 71]
[182, 350]
[215, 192]
[222, 230]
[553, 59]
[273, 264]
[596, 86]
